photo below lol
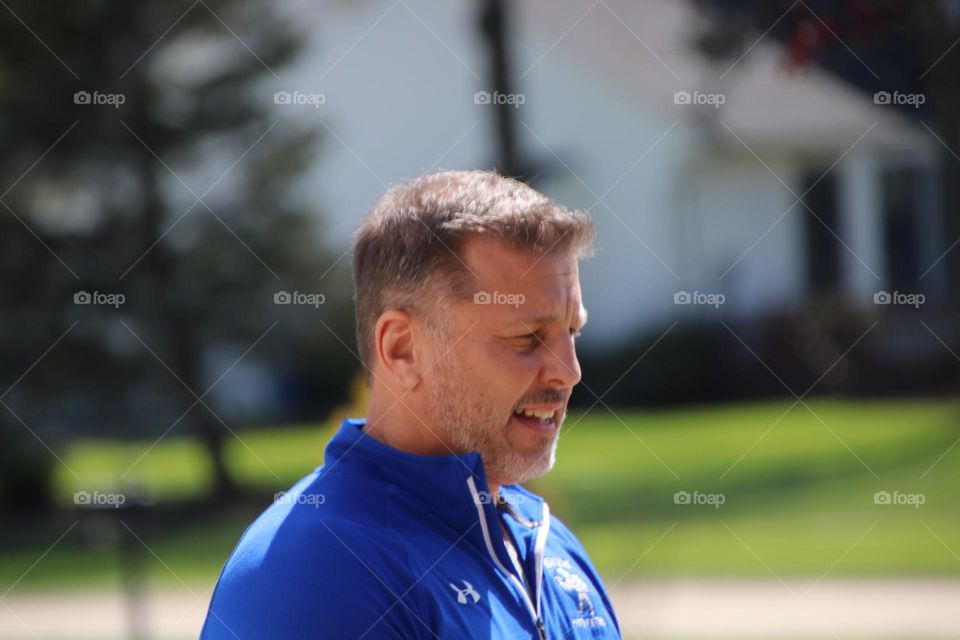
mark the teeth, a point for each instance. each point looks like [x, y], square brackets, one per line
[541, 415]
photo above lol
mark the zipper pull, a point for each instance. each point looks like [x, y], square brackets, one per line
[541, 628]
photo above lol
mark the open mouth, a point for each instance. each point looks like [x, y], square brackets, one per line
[544, 421]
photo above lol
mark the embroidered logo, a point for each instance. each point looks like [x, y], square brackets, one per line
[566, 577]
[467, 592]
[569, 581]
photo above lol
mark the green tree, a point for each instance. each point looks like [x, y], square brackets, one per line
[144, 156]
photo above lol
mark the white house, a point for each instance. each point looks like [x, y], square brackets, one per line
[697, 173]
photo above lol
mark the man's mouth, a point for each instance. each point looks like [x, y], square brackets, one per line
[542, 420]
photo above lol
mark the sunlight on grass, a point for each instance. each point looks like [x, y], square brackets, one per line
[173, 469]
[797, 487]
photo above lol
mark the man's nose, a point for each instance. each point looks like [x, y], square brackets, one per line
[561, 369]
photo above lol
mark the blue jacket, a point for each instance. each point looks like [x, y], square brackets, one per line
[383, 544]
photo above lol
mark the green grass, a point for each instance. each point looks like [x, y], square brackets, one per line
[798, 497]
[796, 503]
[176, 467]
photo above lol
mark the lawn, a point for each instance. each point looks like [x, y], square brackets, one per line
[783, 491]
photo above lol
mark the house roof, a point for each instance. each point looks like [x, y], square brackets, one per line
[644, 50]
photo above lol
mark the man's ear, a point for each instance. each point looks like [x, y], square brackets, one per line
[399, 354]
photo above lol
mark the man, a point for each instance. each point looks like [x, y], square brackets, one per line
[468, 304]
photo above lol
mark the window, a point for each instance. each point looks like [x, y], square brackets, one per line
[901, 228]
[822, 249]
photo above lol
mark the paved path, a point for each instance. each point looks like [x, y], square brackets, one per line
[845, 609]
[687, 609]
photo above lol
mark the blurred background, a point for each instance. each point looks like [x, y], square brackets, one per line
[764, 444]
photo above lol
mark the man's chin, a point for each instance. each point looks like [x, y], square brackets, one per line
[528, 465]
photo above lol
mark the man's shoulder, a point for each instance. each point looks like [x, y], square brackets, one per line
[306, 558]
[316, 522]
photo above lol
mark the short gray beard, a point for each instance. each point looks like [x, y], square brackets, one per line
[479, 427]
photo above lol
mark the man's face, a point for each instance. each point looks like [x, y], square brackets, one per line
[508, 352]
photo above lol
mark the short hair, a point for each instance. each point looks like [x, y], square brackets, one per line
[406, 252]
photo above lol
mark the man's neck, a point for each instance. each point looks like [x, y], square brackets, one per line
[406, 431]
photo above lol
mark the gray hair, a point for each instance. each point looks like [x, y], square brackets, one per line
[406, 253]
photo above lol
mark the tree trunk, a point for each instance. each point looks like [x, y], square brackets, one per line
[493, 25]
[178, 333]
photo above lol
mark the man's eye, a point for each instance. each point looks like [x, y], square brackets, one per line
[529, 340]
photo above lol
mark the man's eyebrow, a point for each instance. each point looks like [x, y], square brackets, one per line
[553, 318]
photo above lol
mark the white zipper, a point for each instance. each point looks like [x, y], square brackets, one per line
[537, 557]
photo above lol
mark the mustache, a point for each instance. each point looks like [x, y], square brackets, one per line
[547, 396]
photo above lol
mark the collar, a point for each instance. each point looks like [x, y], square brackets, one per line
[442, 478]
[458, 493]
